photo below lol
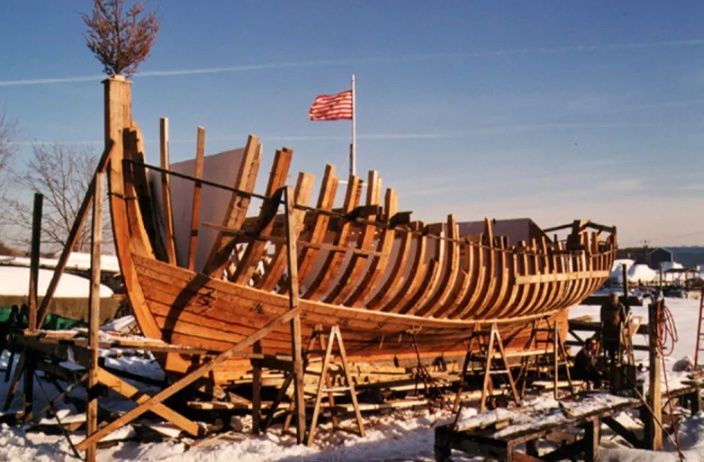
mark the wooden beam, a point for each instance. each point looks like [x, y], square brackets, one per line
[72, 236]
[554, 277]
[653, 426]
[123, 388]
[34, 260]
[153, 402]
[195, 205]
[296, 338]
[96, 237]
[236, 209]
[170, 243]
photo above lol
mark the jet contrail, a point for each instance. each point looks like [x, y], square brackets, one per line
[359, 61]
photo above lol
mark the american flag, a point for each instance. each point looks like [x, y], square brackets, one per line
[332, 107]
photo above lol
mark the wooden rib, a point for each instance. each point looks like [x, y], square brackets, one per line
[549, 269]
[393, 283]
[482, 278]
[276, 267]
[417, 270]
[326, 199]
[538, 289]
[330, 267]
[133, 149]
[237, 208]
[431, 279]
[462, 281]
[471, 273]
[195, 205]
[493, 271]
[500, 282]
[255, 251]
[506, 305]
[350, 277]
[450, 283]
[379, 264]
[520, 266]
[166, 191]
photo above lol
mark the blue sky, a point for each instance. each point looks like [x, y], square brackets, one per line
[552, 110]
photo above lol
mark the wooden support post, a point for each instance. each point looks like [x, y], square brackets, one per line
[653, 429]
[154, 402]
[166, 191]
[626, 288]
[34, 261]
[94, 313]
[293, 294]
[256, 392]
[195, 205]
[30, 358]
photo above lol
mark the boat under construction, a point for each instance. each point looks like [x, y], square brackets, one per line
[207, 261]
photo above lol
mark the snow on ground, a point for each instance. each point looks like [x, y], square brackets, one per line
[404, 435]
[13, 282]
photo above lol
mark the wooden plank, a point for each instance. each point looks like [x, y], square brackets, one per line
[151, 403]
[653, 423]
[195, 205]
[379, 264]
[392, 285]
[328, 270]
[412, 279]
[34, 261]
[293, 305]
[326, 199]
[236, 209]
[350, 277]
[123, 388]
[277, 266]
[94, 311]
[254, 253]
[170, 243]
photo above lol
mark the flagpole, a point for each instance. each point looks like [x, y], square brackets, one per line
[353, 146]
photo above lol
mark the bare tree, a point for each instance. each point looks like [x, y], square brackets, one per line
[8, 128]
[121, 38]
[62, 174]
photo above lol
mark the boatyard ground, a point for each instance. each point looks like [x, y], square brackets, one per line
[404, 435]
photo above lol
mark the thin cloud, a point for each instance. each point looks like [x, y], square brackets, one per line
[368, 60]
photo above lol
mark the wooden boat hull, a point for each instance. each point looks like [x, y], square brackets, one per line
[395, 289]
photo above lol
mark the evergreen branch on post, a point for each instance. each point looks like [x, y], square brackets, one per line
[121, 38]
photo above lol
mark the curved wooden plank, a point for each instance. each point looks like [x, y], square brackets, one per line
[413, 278]
[350, 278]
[236, 209]
[256, 249]
[483, 273]
[332, 263]
[379, 263]
[431, 278]
[451, 282]
[326, 200]
[275, 268]
[464, 282]
[166, 191]
[394, 281]
[501, 283]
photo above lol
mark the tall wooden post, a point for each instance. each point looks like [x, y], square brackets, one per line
[29, 359]
[653, 431]
[626, 288]
[292, 260]
[94, 312]
[34, 261]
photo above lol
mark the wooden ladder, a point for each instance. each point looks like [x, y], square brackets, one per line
[491, 345]
[555, 359]
[699, 331]
[325, 385]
